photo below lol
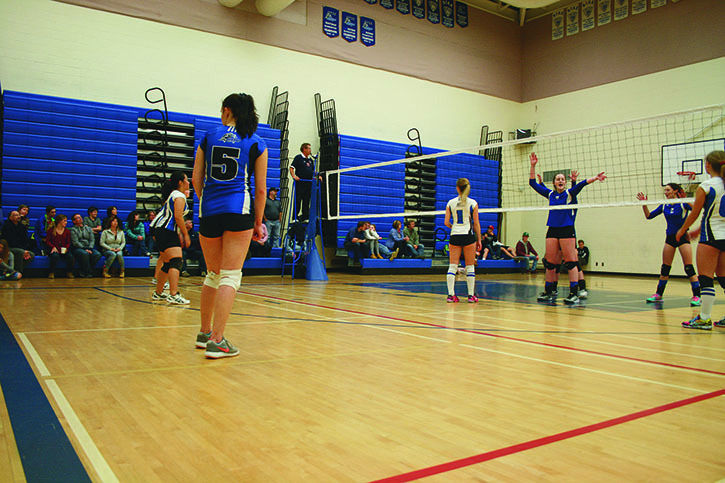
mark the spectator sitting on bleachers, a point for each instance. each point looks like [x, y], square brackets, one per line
[396, 242]
[193, 251]
[7, 264]
[58, 241]
[486, 247]
[525, 249]
[42, 226]
[355, 242]
[94, 223]
[84, 246]
[135, 236]
[414, 244]
[16, 235]
[261, 247]
[373, 239]
[24, 210]
[150, 242]
[111, 211]
[112, 242]
[498, 250]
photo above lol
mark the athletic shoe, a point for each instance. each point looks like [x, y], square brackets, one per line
[222, 349]
[546, 297]
[720, 323]
[695, 301]
[153, 281]
[583, 294]
[654, 298]
[698, 323]
[472, 299]
[176, 299]
[159, 297]
[452, 299]
[394, 254]
[571, 299]
[202, 339]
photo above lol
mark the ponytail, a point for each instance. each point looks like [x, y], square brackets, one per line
[242, 107]
[171, 184]
[464, 187]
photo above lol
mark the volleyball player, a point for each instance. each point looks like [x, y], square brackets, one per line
[462, 219]
[675, 215]
[561, 233]
[225, 160]
[170, 234]
[710, 258]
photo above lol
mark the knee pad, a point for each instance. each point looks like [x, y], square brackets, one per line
[176, 263]
[665, 270]
[212, 279]
[165, 267]
[570, 265]
[721, 281]
[705, 282]
[690, 270]
[230, 278]
[470, 271]
[452, 268]
[549, 266]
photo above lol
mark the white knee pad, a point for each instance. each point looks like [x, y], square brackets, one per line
[230, 278]
[452, 268]
[470, 271]
[212, 279]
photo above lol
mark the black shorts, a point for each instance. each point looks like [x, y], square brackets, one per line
[166, 239]
[671, 240]
[462, 240]
[214, 226]
[561, 232]
[719, 244]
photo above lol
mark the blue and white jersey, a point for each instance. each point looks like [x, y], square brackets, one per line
[229, 161]
[165, 217]
[461, 215]
[713, 212]
[559, 218]
[675, 215]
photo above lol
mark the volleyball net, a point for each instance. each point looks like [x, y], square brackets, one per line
[641, 155]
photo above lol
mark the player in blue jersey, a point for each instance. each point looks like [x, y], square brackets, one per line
[170, 234]
[675, 215]
[710, 199]
[229, 216]
[462, 219]
[561, 234]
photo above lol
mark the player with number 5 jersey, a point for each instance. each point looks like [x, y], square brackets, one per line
[710, 258]
[462, 219]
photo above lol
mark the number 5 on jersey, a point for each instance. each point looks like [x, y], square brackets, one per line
[224, 165]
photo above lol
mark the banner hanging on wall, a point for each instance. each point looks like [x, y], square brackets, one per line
[621, 9]
[367, 31]
[447, 13]
[372, 2]
[387, 4]
[605, 12]
[331, 21]
[572, 19]
[403, 6]
[639, 6]
[419, 8]
[434, 9]
[587, 15]
[557, 25]
[462, 14]
[349, 26]
[658, 3]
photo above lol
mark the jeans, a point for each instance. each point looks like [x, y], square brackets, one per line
[532, 262]
[86, 260]
[193, 254]
[18, 257]
[273, 228]
[416, 253]
[55, 256]
[137, 248]
[113, 256]
[359, 250]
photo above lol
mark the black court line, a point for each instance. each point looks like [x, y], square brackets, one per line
[45, 450]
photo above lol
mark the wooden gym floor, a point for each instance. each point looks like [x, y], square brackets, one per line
[360, 379]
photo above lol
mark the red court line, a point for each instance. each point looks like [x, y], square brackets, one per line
[498, 336]
[535, 443]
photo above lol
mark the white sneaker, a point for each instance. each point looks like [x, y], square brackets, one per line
[176, 300]
[159, 298]
[583, 294]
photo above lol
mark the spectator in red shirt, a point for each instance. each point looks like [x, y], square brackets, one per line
[525, 249]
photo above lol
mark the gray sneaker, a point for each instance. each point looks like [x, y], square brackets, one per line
[583, 294]
[176, 299]
[222, 349]
[202, 339]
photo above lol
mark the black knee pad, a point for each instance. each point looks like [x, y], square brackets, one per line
[570, 265]
[165, 267]
[549, 266]
[690, 270]
[721, 281]
[176, 263]
[705, 282]
[665, 270]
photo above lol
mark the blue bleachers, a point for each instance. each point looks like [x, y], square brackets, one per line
[43, 263]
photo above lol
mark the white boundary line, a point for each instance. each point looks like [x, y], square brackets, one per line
[42, 370]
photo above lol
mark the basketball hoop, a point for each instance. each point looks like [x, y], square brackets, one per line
[687, 181]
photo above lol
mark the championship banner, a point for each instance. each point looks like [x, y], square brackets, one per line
[557, 25]
[587, 15]
[572, 19]
[403, 6]
[419, 8]
[621, 9]
[658, 3]
[461, 14]
[605, 12]
[367, 31]
[639, 6]
[349, 26]
[372, 2]
[447, 14]
[387, 4]
[434, 11]
[331, 21]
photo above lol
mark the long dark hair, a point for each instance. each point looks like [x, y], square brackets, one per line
[243, 110]
[171, 184]
[131, 220]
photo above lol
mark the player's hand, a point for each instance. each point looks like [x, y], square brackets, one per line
[601, 176]
[478, 247]
[574, 175]
[679, 234]
[258, 234]
[641, 196]
[186, 243]
[533, 159]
